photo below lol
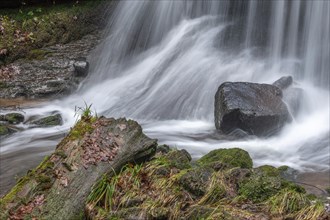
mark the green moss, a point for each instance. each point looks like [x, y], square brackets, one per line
[37, 54]
[60, 153]
[13, 192]
[42, 178]
[282, 168]
[52, 120]
[45, 164]
[259, 188]
[3, 130]
[268, 170]
[195, 180]
[14, 118]
[179, 159]
[81, 128]
[234, 157]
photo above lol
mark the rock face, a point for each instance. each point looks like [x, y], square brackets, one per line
[50, 72]
[59, 186]
[257, 109]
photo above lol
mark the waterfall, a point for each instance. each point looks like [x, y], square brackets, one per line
[161, 63]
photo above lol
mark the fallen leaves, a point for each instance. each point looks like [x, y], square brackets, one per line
[27, 209]
[101, 145]
[8, 72]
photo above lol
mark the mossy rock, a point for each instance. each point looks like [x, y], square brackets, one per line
[3, 130]
[268, 170]
[196, 180]
[14, 118]
[179, 159]
[233, 157]
[48, 121]
[260, 186]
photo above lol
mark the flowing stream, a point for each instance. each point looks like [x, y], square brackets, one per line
[161, 63]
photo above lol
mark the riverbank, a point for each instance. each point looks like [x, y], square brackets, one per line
[108, 169]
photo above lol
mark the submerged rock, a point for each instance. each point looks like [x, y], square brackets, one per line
[257, 109]
[59, 186]
[48, 121]
[13, 118]
[3, 130]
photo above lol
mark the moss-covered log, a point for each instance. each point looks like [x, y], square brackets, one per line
[59, 186]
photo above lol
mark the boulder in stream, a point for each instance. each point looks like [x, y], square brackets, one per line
[48, 121]
[12, 118]
[255, 108]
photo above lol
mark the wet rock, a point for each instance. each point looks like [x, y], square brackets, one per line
[53, 88]
[14, 118]
[3, 130]
[234, 157]
[179, 159]
[257, 109]
[59, 186]
[51, 77]
[81, 67]
[283, 82]
[49, 121]
[195, 180]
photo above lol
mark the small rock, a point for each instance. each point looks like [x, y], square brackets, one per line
[14, 118]
[3, 130]
[81, 67]
[48, 121]
[283, 82]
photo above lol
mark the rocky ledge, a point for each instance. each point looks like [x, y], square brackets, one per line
[108, 169]
[49, 72]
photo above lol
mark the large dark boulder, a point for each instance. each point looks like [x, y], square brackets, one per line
[257, 109]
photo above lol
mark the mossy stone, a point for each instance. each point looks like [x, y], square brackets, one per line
[3, 130]
[14, 118]
[49, 121]
[234, 157]
[196, 180]
[268, 170]
[179, 159]
[260, 187]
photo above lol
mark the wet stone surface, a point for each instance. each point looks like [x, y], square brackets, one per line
[49, 75]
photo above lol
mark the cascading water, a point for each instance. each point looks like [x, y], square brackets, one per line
[162, 62]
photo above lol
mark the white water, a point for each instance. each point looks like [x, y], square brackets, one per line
[163, 61]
